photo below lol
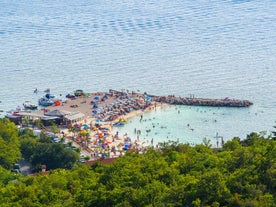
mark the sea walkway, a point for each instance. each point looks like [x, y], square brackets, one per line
[226, 102]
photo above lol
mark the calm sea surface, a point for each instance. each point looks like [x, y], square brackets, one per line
[211, 49]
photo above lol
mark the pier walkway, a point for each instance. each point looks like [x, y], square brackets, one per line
[202, 101]
[192, 101]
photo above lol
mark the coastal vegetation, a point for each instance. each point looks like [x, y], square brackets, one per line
[9, 143]
[241, 173]
[41, 151]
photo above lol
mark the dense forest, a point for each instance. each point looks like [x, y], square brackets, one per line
[241, 173]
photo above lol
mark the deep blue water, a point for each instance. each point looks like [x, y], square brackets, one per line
[208, 48]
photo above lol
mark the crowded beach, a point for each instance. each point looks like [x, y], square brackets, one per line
[102, 113]
[89, 120]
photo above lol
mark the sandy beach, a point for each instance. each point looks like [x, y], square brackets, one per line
[101, 110]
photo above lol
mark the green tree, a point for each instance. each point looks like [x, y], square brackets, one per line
[28, 146]
[54, 127]
[212, 187]
[44, 138]
[39, 124]
[206, 142]
[274, 133]
[26, 121]
[54, 156]
[9, 144]
[6, 176]
[240, 174]
[232, 144]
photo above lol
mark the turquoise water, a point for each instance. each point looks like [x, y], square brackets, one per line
[191, 124]
[211, 49]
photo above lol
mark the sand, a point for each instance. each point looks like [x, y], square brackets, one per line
[115, 144]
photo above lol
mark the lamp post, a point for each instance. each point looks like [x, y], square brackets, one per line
[217, 138]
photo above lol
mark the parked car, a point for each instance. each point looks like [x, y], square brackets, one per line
[51, 135]
[16, 168]
[56, 140]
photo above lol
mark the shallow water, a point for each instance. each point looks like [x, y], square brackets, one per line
[211, 49]
[191, 124]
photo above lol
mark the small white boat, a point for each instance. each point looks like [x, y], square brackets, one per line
[29, 105]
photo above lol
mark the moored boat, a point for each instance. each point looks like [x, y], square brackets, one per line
[78, 92]
[29, 105]
[45, 102]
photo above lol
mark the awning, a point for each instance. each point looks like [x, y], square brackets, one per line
[74, 116]
[50, 117]
[38, 115]
[58, 112]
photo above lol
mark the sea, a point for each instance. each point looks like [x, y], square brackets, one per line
[209, 49]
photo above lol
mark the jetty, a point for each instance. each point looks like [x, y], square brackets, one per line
[192, 101]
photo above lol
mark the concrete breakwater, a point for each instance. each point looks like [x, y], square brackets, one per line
[171, 99]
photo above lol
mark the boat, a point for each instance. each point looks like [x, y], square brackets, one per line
[29, 105]
[50, 96]
[45, 102]
[78, 92]
[47, 90]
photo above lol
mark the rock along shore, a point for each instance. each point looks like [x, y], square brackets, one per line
[171, 99]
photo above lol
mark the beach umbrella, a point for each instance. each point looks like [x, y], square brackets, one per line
[95, 106]
[149, 99]
[85, 126]
[77, 125]
[126, 147]
[100, 134]
[83, 132]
